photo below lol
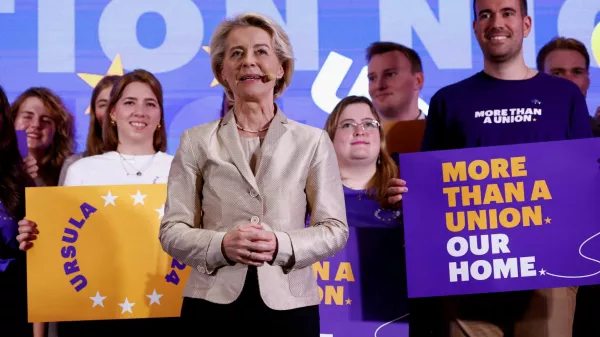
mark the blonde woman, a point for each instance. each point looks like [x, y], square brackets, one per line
[239, 191]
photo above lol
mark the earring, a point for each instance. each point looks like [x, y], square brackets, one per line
[112, 121]
[158, 126]
[379, 160]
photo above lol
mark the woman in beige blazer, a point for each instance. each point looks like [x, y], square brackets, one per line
[239, 192]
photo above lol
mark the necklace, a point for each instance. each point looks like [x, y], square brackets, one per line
[526, 73]
[251, 131]
[138, 171]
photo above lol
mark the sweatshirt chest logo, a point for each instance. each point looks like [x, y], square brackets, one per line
[510, 116]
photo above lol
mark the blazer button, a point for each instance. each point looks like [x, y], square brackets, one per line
[253, 193]
[254, 219]
[202, 270]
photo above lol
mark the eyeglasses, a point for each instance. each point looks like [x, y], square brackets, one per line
[371, 125]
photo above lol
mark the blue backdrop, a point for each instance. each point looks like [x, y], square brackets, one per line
[49, 42]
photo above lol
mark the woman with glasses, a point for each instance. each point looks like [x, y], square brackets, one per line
[375, 247]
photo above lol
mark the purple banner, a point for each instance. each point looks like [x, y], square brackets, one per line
[22, 142]
[363, 288]
[502, 218]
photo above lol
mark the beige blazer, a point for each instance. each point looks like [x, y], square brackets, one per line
[212, 189]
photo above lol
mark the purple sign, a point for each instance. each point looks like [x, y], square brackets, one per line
[22, 142]
[502, 218]
[360, 288]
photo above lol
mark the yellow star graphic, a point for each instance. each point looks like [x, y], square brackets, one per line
[348, 302]
[214, 81]
[116, 68]
[547, 220]
[596, 43]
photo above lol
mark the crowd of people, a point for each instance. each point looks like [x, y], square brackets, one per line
[255, 199]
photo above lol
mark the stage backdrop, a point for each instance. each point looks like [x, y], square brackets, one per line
[67, 45]
[502, 218]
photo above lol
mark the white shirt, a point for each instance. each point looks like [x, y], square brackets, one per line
[113, 168]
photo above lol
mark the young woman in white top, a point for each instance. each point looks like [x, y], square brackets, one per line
[134, 138]
[134, 144]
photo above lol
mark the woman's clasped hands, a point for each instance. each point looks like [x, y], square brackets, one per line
[249, 244]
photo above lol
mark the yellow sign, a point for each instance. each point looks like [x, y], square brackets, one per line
[98, 255]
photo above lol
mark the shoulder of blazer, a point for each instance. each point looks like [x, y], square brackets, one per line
[305, 132]
[203, 132]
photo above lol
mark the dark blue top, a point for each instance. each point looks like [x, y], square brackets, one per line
[379, 254]
[9, 247]
[485, 111]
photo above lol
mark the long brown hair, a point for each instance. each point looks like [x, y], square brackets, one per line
[13, 177]
[95, 145]
[386, 167]
[63, 142]
[109, 132]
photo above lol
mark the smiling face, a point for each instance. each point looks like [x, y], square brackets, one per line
[251, 66]
[137, 114]
[355, 142]
[36, 120]
[500, 28]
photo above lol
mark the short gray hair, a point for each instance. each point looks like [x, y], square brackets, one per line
[281, 43]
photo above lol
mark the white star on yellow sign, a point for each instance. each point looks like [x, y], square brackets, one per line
[214, 81]
[116, 68]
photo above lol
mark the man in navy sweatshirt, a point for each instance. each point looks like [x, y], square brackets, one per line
[506, 103]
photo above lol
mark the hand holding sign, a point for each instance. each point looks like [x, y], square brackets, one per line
[27, 233]
[396, 187]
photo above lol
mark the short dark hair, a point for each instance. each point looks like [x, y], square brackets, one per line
[562, 43]
[523, 8]
[382, 47]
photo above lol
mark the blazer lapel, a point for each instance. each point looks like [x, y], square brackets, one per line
[277, 129]
[231, 139]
